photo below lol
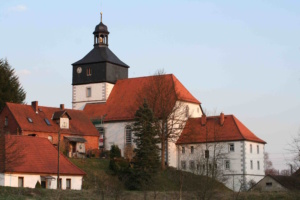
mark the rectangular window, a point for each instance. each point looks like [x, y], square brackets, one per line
[183, 150]
[227, 164]
[47, 122]
[192, 149]
[20, 181]
[59, 184]
[257, 147]
[269, 184]
[6, 121]
[89, 72]
[88, 92]
[192, 165]
[251, 164]
[231, 147]
[183, 165]
[206, 153]
[29, 120]
[250, 148]
[68, 184]
[258, 166]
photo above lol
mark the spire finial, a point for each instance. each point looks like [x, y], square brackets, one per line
[101, 15]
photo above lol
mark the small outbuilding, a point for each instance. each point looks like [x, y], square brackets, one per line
[277, 183]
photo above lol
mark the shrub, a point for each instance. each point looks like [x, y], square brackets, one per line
[38, 185]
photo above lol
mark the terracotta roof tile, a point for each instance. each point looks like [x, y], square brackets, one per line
[25, 154]
[128, 94]
[212, 131]
[80, 124]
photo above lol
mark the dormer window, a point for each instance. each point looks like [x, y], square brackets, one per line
[47, 122]
[29, 120]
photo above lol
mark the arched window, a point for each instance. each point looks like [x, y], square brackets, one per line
[128, 135]
[50, 138]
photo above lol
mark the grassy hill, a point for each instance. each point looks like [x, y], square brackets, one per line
[99, 176]
[100, 183]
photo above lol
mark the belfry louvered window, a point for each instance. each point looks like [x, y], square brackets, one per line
[128, 135]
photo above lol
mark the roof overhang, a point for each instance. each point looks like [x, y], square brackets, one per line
[75, 139]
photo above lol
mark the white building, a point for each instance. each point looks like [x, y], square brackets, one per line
[26, 160]
[232, 150]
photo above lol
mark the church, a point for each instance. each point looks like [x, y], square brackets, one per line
[102, 89]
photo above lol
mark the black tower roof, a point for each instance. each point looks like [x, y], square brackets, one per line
[101, 28]
[101, 54]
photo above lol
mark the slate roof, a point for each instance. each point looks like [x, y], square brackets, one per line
[101, 54]
[127, 95]
[212, 131]
[289, 182]
[80, 124]
[25, 154]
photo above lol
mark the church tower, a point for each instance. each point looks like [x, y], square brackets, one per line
[96, 73]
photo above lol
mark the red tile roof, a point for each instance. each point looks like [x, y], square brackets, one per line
[128, 94]
[212, 131]
[25, 154]
[80, 124]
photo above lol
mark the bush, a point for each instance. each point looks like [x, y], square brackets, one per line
[115, 152]
[38, 185]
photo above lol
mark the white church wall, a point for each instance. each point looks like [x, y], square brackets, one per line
[115, 135]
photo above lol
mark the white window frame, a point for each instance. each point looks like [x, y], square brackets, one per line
[227, 164]
[183, 150]
[231, 147]
[88, 92]
[192, 149]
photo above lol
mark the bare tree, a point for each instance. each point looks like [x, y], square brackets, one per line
[294, 149]
[269, 169]
[206, 158]
[162, 99]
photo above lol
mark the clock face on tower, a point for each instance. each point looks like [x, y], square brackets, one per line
[79, 70]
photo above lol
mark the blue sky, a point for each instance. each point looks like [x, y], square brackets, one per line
[239, 57]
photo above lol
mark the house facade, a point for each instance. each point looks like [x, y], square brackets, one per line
[27, 160]
[224, 147]
[78, 136]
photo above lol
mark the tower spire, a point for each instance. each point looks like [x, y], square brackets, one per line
[101, 15]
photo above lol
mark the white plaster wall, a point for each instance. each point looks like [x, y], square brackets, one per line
[99, 93]
[238, 160]
[30, 180]
[115, 135]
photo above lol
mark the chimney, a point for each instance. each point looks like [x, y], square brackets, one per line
[62, 106]
[221, 118]
[203, 120]
[35, 105]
